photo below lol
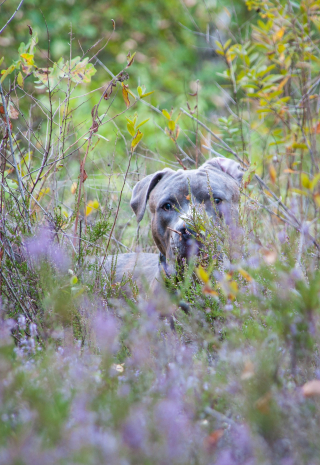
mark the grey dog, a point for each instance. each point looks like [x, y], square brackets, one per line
[168, 194]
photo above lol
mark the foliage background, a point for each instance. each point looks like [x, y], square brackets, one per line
[89, 375]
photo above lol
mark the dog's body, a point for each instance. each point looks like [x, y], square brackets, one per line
[170, 195]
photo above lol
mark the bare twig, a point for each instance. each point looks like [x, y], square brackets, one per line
[13, 154]
[11, 18]
[119, 202]
[175, 231]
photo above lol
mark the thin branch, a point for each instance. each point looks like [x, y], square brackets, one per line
[13, 154]
[10, 19]
[119, 203]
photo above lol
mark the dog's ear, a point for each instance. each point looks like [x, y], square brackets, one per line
[142, 190]
[226, 165]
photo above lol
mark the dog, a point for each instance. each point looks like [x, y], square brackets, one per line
[170, 195]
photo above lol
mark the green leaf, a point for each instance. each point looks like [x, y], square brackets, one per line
[1, 60]
[137, 138]
[73, 280]
[166, 114]
[140, 92]
[80, 71]
[20, 80]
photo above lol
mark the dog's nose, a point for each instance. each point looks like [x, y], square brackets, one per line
[187, 233]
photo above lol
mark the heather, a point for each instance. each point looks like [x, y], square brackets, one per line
[222, 366]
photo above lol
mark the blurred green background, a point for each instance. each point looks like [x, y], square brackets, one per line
[174, 41]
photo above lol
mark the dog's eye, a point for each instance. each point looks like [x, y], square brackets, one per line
[217, 200]
[167, 207]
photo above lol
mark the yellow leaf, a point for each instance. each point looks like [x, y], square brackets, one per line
[91, 205]
[43, 192]
[148, 93]
[20, 80]
[142, 123]
[315, 181]
[234, 286]
[140, 91]
[137, 138]
[125, 95]
[298, 191]
[89, 209]
[202, 274]
[305, 181]
[28, 58]
[245, 275]
[283, 82]
[279, 34]
[6, 72]
[131, 129]
[171, 125]
[166, 114]
[273, 173]
[131, 93]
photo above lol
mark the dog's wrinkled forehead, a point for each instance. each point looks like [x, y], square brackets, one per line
[199, 183]
[222, 175]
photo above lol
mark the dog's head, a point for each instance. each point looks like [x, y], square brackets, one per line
[172, 194]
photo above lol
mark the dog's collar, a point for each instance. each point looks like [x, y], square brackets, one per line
[163, 264]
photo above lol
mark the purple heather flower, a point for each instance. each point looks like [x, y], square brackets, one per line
[41, 247]
[106, 330]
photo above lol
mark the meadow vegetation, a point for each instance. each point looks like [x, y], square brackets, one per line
[223, 367]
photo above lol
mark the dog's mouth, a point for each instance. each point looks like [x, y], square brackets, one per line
[187, 247]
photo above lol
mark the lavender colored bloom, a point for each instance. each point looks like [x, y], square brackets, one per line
[135, 431]
[41, 247]
[33, 329]
[106, 331]
[173, 425]
[22, 321]
[228, 307]
[282, 236]
[226, 458]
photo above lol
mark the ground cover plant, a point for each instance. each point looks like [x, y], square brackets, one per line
[223, 366]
